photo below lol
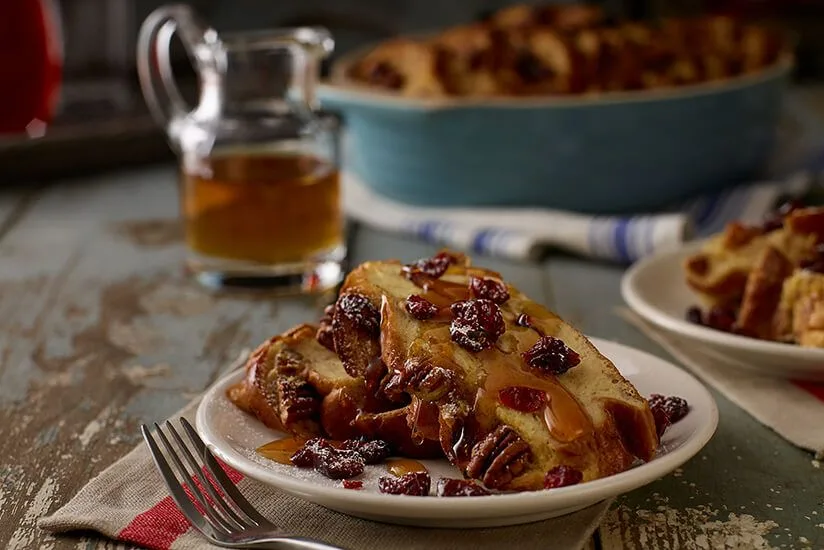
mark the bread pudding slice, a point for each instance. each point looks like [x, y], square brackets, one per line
[510, 390]
[719, 272]
[800, 314]
[407, 66]
[763, 293]
[470, 56]
[296, 385]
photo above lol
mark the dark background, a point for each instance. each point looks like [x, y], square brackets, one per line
[102, 120]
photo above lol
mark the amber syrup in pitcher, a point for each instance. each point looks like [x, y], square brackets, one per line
[263, 207]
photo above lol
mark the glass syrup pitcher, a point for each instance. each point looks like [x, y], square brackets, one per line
[259, 185]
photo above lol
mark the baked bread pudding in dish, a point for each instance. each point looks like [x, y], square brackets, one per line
[557, 50]
[764, 281]
[440, 359]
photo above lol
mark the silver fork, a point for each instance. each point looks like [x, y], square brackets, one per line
[228, 519]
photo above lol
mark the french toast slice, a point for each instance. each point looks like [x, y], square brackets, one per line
[762, 294]
[517, 391]
[719, 272]
[800, 314]
[406, 66]
[296, 385]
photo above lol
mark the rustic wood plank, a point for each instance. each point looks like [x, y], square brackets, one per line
[14, 203]
[748, 488]
[100, 330]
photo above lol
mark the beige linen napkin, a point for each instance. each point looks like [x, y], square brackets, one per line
[793, 409]
[129, 502]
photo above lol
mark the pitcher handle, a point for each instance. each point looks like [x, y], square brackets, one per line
[311, 45]
[154, 67]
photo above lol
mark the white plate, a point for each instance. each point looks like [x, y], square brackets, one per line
[655, 288]
[233, 436]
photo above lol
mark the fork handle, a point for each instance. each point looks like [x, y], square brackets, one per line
[292, 543]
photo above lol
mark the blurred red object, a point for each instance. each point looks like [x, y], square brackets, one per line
[30, 65]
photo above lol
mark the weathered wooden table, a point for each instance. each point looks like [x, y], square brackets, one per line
[101, 330]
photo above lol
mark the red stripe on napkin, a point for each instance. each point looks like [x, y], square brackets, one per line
[233, 474]
[158, 527]
[815, 389]
[161, 525]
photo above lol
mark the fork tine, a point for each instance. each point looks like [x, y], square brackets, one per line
[217, 522]
[218, 499]
[175, 488]
[226, 484]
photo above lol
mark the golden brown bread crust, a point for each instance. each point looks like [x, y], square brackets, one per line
[770, 275]
[406, 66]
[550, 50]
[800, 314]
[719, 272]
[341, 406]
[615, 427]
[276, 389]
[373, 369]
[762, 294]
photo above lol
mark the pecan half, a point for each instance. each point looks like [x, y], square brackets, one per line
[499, 457]
[289, 362]
[422, 379]
[355, 331]
[298, 400]
[324, 335]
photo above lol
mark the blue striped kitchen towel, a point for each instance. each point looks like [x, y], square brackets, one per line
[526, 233]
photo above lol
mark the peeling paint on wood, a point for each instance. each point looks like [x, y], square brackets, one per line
[24, 534]
[101, 330]
[698, 528]
[151, 233]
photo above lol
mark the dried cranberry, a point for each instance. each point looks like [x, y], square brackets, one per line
[414, 484]
[383, 74]
[530, 68]
[334, 463]
[354, 484]
[720, 318]
[359, 309]
[305, 456]
[562, 476]
[551, 355]
[434, 266]
[522, 398]
[477, 324]
[339, 463]
[420, 308]
[489, 289]
[448, 487]
[675, 407]
[695, 316]
[324, 334]
[372, 452]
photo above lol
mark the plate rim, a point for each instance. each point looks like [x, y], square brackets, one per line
[677, 325]
[592, 491]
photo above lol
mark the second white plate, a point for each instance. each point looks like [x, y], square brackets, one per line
[655, 288]
[233, 436]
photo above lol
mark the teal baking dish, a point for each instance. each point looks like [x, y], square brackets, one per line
[613, 153]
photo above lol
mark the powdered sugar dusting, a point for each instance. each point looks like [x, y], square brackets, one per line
[697, 528]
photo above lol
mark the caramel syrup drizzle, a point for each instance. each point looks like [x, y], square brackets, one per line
[564, 417]
[281, 450]
[402, 466]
